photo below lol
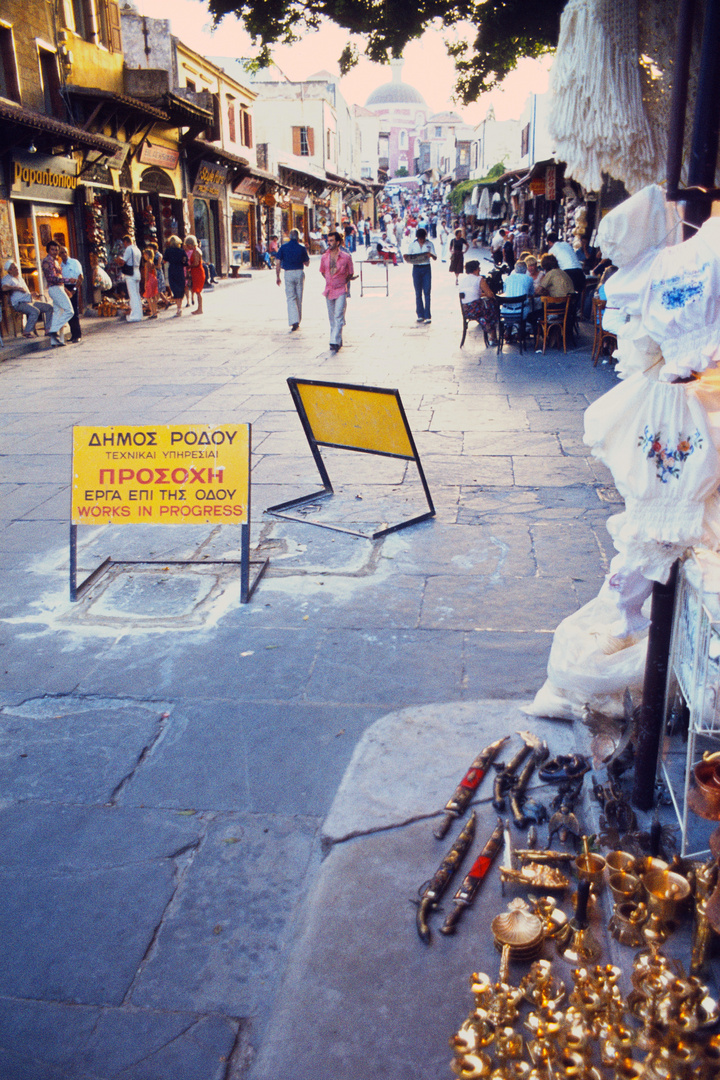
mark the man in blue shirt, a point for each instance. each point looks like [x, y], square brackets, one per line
[72, 273]
[292, 257]
[519, 283]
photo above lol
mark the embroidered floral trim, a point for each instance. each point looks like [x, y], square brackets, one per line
[668, 460]
[680, 295]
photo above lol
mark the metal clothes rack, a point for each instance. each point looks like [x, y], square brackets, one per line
[694, 670]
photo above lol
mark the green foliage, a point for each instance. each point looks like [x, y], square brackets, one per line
[507, 30]
[461, 191]
[402, 171]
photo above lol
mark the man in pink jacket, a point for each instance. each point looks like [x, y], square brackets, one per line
[336, 267]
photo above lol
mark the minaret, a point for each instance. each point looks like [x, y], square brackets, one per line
[396, 65]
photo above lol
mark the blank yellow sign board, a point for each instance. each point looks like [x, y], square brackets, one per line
[356, 419]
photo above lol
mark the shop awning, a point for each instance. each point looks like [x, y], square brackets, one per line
[198, 148]
[536, 172]
[292, 177]
[186, 112]
[346, 182]
[18, 122]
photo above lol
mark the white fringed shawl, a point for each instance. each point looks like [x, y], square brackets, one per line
[597, 118]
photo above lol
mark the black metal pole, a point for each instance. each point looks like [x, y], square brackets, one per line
[651, 712]
[678, 105]
[703, 156]
[701, 173]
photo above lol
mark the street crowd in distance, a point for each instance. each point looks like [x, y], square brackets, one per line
[137, 284]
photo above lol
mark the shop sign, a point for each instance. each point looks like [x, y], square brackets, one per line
[268, 200]
[158, 155]
[210, 181]
[97, 175]
[51, 179]
[537, 185]
[118, 158]
[248, 186]
[297, 195]
[175, 474]
[551, 183]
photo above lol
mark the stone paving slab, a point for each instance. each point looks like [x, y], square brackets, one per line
[49, 1041]
[217, 950]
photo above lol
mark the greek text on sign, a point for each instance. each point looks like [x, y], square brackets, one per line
[162, 474]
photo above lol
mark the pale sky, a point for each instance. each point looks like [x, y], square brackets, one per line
[427, 66]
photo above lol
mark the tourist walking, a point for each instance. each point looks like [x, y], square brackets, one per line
[130, 261]
[150, 292]
[457, 253]
[197, 271]
[421, 251]
[292, 257]
[336, 266]
[62, 308]
[175, 258]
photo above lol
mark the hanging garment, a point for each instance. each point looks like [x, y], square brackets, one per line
[597, 120]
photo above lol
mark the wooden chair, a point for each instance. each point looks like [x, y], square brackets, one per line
[467, 320]
[555, 318]
[513, 314]
[12, 320]
[602, 337]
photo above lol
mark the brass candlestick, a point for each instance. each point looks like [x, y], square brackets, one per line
[579, 945]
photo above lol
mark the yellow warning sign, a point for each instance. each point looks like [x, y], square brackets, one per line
[355, 418]
[173, 474]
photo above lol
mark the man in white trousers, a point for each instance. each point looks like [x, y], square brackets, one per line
[62, 307]
[130, 261]
[293, 257]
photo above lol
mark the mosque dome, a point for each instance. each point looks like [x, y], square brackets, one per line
[395, 92]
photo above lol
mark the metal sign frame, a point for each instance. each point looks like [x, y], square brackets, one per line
[327, 490]
[247, 587]
[365, 287]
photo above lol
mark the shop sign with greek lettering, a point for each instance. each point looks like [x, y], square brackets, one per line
[173, 474]
[43, 178]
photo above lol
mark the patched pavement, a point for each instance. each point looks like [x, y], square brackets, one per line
[170, 757]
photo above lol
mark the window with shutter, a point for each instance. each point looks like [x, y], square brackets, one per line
[113, 22]
[303, 141]
[231, 119]
[247, 123]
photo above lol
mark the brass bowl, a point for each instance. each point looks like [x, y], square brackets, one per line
[620, 862]
[647, 863]
[707, 781]
[665, 892]
[623, 887]
[591, 867]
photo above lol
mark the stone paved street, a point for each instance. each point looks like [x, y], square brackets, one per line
[169, 757]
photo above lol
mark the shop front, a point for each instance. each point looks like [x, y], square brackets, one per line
[209, 194]
[42, 192]
[243, 210]
[156, 205]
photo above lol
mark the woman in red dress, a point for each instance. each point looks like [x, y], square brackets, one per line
[197, 271]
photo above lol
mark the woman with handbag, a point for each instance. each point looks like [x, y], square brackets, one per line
[197, 271]
[130, 262]
[175, 259]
